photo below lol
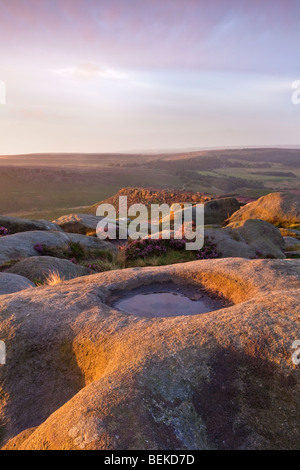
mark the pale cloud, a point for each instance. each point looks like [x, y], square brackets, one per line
[90, 70]
[112, 76]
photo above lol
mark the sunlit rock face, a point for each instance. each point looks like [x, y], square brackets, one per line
[282, 209]
[81, 374]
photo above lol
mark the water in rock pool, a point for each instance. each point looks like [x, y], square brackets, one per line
[166, 304]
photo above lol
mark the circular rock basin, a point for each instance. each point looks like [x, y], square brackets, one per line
[167, 300]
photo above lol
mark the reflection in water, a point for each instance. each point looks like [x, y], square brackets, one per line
[162, 304]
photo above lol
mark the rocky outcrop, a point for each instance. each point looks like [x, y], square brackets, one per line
[16, 225]
[10, 283]
[84, 224]
[248, 239]
[38, 268]
[152, 196]
[218, 210]
[277, 208]
[97, 378]
[22, 245]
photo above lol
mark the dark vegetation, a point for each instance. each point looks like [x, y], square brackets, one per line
[134, 253]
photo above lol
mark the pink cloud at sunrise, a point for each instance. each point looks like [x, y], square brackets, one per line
[118, 75]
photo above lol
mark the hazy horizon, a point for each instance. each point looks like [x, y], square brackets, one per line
[121, 77]
[162, 151]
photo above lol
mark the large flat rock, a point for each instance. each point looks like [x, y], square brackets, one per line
[17, 224]
[80, 374]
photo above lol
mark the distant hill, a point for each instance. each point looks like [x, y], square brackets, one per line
[51, 185]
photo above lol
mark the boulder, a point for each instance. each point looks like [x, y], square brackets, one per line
[21, 245]
[10, 283]
[277, 208]
[98, 379]
[84, 224]
[249, 239]
[92, 243]
[218, 210]
[16, 224]
[38, 268]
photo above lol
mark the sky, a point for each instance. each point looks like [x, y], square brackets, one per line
[134, 75]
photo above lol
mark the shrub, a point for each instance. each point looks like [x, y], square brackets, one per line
[177, 244]
[145, 248]
[141, 249]
[75, 250]
[4, 231]
[208, 251]
[43, 250]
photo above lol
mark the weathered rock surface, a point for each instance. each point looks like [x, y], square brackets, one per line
[218, 210]
[248, 239]
[84, 224]
[21, 245]
[277, 208]
[92, 242]
[10, 283]
[16, 224]
[82, 375]
[39, 268]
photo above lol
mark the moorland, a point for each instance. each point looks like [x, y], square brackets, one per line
[51, 185]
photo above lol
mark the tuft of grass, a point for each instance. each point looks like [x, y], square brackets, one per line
[53, 278]
[171, 257]
[75, 250]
